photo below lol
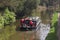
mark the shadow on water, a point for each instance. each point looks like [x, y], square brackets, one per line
[23, 29]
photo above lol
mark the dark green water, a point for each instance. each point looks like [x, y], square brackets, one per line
[22, 35]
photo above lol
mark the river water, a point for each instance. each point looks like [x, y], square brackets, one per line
[43, 31]
[39, 34]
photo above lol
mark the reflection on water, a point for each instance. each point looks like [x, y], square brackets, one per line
[22, 35]
[31, 35]
[7, 31]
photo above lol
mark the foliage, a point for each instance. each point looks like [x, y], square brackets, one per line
[12, 4]
[1, 21]
[54, 18]
[52, 35]
[9, 17]
[23, 7]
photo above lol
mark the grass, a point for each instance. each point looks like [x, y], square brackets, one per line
[52, 34]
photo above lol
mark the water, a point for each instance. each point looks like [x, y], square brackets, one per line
[42, 31]
[23, 36]
[39, 34]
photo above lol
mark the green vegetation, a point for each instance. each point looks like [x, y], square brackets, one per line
[1, 22]
[20, 7]
[52, 35]
[9, 17]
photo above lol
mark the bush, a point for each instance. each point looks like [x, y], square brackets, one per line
[54, 18]
[1, 21]
[53, 31]
[9, 17]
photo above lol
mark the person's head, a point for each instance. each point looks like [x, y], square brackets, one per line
[31, 23]
[22, 20]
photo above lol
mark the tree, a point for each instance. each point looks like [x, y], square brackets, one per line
[28, 6]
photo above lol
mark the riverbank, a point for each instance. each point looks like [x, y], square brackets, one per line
[53, 31]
